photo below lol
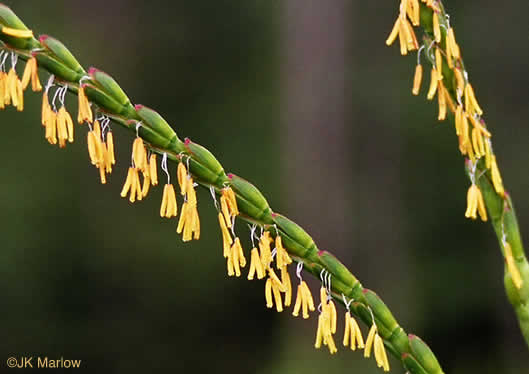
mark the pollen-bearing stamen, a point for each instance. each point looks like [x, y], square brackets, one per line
[189, 222]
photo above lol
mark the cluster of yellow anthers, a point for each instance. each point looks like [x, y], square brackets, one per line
[261, 265]
[59, 129]
[474, 141]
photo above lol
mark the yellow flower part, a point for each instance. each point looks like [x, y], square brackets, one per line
[459, 119]
[225, 211]
[478, 143]
[110, 148]
[476, 123]
[471, 104]
[460, 80]
[451, 44]
[352, 334]
[62, 131]
[45, 109]
[139, 154]
[496, 177]
[370, 339]
[282, 257]
[417, 79]
[394, 33]
[273, 286]
[436, 28]
[237, 257]
[231, 200]
[488, 154]
[402, 38]
[326, 323]
[475, 203]
[433, 84]
[449, 101]
[304, 301]
[181, 173]
[256, 266]
[285, 280]
[511, 266]
[189, 221]
[3, 90]
[380, 353]
[84, 110]
[51, 127]
[17, 33]
[31, 73]
[227, 241]
[439, 63]
[146, 185]
[413, 11]
[411, 39]
[153, 170]
[441, 100]
[169, 207]
[16, 93]
[132, 185]
[64, 127]
[264, 247]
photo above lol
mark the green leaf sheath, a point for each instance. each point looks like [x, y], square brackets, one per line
[106, 94]
[500, 208]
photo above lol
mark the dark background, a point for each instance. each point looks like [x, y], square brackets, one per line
[304, 99]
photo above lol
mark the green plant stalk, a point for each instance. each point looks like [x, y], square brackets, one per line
[500, 208]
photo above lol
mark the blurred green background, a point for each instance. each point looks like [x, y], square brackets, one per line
[303, 99]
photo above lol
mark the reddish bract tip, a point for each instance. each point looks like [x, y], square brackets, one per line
[34, 53]
[365, 290]
[411, 336]
[92, 70]
[83, 85]
[138, 107]
[43, 37]
[404, 355]
[230, 175]
[187, 141]
[274, 215]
